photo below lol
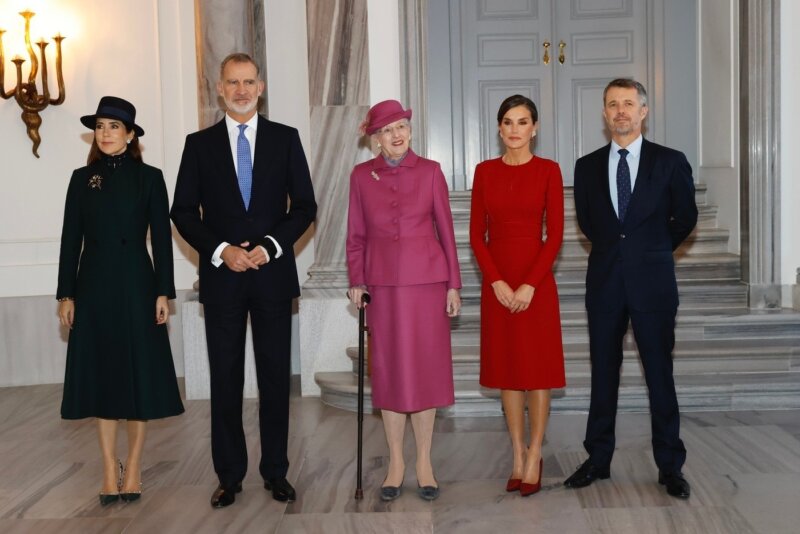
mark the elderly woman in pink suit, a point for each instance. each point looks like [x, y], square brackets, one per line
[401, 249]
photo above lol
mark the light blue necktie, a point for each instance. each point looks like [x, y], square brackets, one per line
[623, 184]
[245, 165]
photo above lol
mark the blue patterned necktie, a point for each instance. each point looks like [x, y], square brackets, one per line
[623, 184]
[245, 166]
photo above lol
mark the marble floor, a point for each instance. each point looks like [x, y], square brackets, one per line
[744, 468]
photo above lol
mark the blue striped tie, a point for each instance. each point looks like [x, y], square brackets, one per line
[623, 184]
[245, 164]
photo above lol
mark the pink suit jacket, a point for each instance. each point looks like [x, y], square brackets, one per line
[399, 225]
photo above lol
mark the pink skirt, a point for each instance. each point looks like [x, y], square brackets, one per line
[411, 367]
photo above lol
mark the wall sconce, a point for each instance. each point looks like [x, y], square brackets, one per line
[26, 94]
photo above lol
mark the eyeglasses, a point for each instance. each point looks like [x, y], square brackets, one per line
[401, 128]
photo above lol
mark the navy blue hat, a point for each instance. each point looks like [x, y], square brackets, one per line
[112, 107]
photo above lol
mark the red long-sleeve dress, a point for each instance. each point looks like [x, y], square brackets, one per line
[516, 230]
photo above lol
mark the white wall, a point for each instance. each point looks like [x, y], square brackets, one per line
[383, 33]
[790, 155]
[717, 111]
[139, 59]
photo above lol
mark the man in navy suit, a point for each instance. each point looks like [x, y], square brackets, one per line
[635, 203]
[242, 198]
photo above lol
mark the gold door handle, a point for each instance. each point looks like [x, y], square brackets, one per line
[546, 57]
[561, 46]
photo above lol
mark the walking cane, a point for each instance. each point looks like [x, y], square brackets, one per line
[361, 332]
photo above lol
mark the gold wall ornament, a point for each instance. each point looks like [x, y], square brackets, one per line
[27, 94]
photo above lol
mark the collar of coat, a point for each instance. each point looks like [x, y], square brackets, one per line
[409, 161]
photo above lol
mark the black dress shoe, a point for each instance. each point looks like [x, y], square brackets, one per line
[108, 498]
[223, 496]
[281, 489]
[586, 474]
[677, 486]
[130, 496]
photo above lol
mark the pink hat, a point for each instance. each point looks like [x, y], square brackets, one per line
[384, 113]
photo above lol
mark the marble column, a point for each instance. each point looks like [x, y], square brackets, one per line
[339, 97]
[223, 27]
[760, 150]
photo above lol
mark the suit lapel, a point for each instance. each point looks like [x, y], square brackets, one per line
[260, 158]
[641, 200]
[604, 179]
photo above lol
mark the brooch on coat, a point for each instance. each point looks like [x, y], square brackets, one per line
[375, 175]
[96, 182]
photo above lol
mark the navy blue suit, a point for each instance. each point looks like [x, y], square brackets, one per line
[631, 277]
[207, 210]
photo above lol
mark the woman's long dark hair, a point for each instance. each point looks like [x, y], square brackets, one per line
[134, 150]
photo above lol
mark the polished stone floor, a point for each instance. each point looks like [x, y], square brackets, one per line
[744, 468]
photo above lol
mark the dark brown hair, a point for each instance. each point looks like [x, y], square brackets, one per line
[627, 83]
[514, 101]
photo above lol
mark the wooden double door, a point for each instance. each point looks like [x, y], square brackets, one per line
[559, 53]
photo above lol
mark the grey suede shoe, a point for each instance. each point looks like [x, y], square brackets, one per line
[390, 493]
[428, 493]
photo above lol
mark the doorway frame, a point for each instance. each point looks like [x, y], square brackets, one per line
[759, 38]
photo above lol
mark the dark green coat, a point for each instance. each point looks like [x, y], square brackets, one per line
[119, 363]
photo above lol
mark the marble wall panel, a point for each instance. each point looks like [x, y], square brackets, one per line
[338, 61]
[223, 27]
[338, 65]
[337, 148]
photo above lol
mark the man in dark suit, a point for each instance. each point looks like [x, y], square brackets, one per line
[231, 205]
[635, 203]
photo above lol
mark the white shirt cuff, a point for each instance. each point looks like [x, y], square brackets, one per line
[216, 258]
[279, 252]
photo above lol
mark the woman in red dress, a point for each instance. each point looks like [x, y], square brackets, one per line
[516, 229]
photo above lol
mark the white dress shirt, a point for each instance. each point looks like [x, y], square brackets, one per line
[233, 136]
[634, 152]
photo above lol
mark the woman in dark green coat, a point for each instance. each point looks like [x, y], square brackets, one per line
[113, 298]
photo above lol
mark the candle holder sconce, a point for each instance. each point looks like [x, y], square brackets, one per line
[26, 93]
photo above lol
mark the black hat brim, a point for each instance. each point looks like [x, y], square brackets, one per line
[90, 121]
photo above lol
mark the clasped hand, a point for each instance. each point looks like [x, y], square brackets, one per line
[515, 301]
[238, 259]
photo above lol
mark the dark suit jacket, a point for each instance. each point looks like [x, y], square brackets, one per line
[631, 262]
[208, 208]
